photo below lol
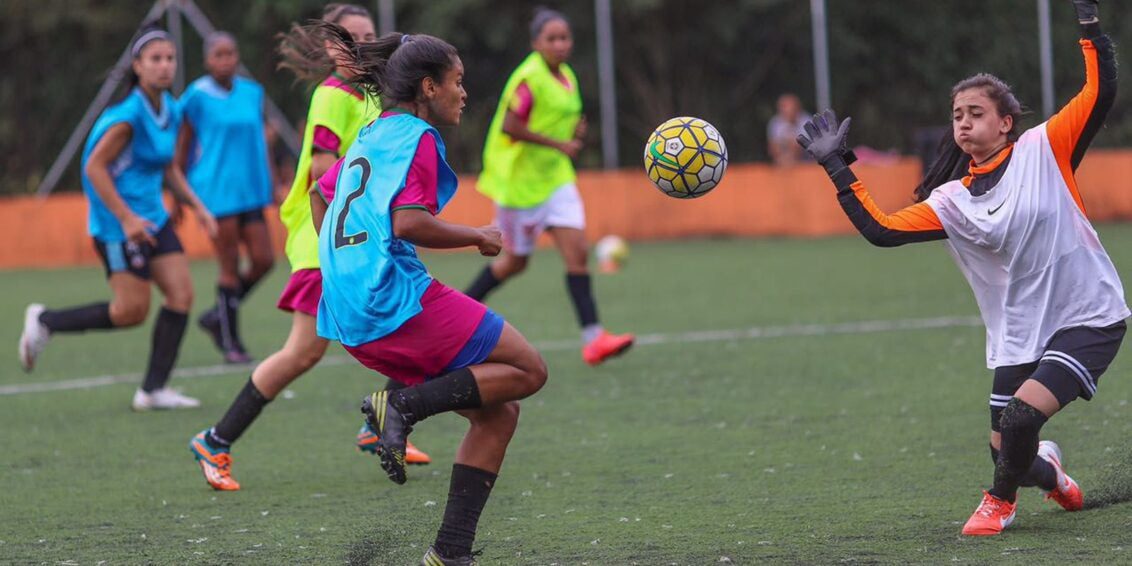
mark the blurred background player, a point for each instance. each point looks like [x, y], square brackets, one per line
[127, 158]
[1050, 297]
[379, 300]
[783, 129]
[527, 170]
[223, 148]
[337, 111]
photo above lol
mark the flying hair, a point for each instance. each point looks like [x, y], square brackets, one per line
[301, 49]
[393, 66]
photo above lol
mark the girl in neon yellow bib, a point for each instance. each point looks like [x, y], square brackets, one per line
[528, 172]
[337, 111]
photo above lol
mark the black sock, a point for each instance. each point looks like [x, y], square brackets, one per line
[394, 385]
[78, 319]
[167, 334]
[1041, 475]
[485, 283]
[581, 293]
[1021, 425]
[227, 308]
[450, 392]
[247, 284]
[467, 495]
[241, 414]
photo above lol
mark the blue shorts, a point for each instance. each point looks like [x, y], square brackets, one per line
[480, 345]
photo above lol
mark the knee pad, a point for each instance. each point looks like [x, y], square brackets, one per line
[1019, 417]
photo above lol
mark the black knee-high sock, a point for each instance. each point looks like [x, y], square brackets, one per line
[1021, 425]
[78, 319]
[167, 334]
[485, 283]
[581, 294]
[227, 308]
[1040, 475]
[450, 392]
[249, 283]
[394, 385]
[241, 414]
[467, 496]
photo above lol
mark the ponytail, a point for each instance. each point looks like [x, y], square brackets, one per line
[950, 164]
[301, 49]
[393, 66]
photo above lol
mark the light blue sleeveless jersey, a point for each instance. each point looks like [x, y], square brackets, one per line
[372, 282]
[228, 161]
[140, 168]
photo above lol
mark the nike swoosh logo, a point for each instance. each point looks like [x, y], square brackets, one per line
[995, 209]
[657, 155]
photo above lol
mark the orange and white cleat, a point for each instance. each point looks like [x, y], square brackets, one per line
[991, 517]
[606, 346]
[1068, 494]
[368, 442]
[215, 463]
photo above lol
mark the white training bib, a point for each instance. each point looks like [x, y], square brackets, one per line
[1030, 255]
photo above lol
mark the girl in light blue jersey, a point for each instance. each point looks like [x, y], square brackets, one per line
[127, 159]
[378, 298]
[224, 150]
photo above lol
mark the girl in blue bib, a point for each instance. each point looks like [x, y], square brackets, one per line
[127, 159]
[378, 298]
[224, 151]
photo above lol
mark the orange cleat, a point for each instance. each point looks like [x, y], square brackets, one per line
[368, 442]
[1068, 494]
[991, 517]
[606, 346]
[216, 463]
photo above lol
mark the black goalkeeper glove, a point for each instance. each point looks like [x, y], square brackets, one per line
[1086, 11]
[825, 140]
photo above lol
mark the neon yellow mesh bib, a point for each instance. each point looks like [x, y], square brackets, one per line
[336, 107]
[523, 175]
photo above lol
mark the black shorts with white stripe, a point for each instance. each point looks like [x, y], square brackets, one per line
[1070, 367]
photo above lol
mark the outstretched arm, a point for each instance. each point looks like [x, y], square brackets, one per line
[917, 223]
[1072, 129]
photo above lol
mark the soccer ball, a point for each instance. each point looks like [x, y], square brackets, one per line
[685, 157]
[612, 252]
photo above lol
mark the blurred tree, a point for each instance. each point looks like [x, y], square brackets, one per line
[726, 61]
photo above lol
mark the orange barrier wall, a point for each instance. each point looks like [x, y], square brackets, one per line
[754, 200]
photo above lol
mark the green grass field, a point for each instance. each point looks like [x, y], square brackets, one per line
[812, 439]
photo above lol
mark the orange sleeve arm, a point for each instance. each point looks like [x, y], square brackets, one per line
[916, 223]
[1072, 129]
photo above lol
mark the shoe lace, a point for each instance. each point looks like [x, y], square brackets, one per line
[224, 463]
[989, 507]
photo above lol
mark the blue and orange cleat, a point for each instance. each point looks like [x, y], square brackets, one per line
[368, 442]
[606, 346]
[215, 463]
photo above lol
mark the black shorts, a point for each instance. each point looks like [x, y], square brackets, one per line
[245, 218]
[1072, 364]
[134, 258]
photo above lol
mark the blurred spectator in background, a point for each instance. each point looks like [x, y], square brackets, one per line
[784, 128]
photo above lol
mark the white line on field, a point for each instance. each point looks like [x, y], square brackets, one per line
[755, 333]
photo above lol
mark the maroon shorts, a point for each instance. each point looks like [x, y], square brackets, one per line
[302, 292]
[425, 345]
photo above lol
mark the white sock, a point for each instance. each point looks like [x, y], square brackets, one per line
[590, 332]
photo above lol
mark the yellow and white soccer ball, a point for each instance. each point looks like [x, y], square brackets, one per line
[612, 252]
[685, 157]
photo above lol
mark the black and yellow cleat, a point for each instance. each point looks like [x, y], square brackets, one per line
[392, 430]
[433, 558]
